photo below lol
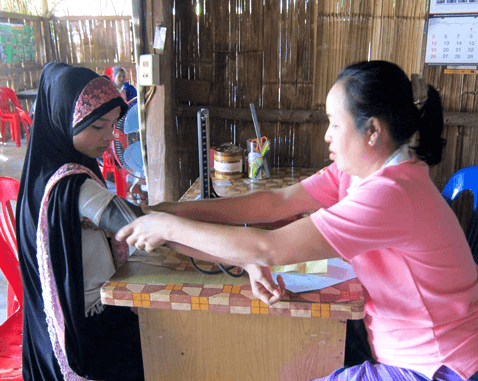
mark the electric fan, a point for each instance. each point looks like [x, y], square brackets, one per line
[127, 145]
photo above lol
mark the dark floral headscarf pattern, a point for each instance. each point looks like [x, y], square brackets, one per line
[98, 92]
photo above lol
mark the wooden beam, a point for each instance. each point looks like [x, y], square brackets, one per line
[303, 116]
[461, 119]
[44, 8]
[20, 17]
[50, 53]
[97, 18]
[19, 70]
[89, 65]
[104, 65]
[292, 116]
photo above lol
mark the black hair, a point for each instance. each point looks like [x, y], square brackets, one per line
[382, 90]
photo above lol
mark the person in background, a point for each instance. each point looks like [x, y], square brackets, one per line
[127, 91]
[63, 213]
[375, 207]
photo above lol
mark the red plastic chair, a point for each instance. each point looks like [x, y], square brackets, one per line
[11, 112]
[119, 173]
[8, 194]
[110, 73]
[11, 329]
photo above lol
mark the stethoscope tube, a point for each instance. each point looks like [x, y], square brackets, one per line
[222, 269]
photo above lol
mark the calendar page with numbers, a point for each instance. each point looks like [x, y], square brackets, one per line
[452, 40]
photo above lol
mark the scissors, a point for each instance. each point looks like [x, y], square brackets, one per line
[259, 147]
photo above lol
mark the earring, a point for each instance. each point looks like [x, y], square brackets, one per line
[370, 142]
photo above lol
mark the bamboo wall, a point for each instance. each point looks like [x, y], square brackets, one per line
[285, 55]
[459, 93]
[250, 52]
[17, 75]
[93, 42]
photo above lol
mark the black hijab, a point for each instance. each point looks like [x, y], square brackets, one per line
[55, 122]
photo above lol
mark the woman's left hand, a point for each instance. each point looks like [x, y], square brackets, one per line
[145, 233]
[263, 287]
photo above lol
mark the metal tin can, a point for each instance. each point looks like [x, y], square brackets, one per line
[228, 162]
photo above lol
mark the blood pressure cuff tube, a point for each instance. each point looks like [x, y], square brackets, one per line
[117, 214]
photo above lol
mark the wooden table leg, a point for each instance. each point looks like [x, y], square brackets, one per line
[193, 345]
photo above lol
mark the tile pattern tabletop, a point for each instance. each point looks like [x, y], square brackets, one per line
[167, 279]
[280, 178]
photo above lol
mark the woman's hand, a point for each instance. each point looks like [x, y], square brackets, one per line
[146, 232]
[263, 287]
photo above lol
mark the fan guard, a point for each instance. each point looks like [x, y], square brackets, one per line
[127, 144]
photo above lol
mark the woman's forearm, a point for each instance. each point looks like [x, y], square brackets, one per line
[207, 226]
[297, 242]
[251, 208]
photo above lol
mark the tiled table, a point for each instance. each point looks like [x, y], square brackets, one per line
[210, 327]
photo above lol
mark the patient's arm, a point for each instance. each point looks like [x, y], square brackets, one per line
[104, 209]
[117, 214]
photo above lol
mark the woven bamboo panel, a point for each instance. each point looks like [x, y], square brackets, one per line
[286, 55]
[352, 31]
[96, 43]
[458, 93]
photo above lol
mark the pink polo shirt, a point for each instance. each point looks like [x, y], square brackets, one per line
[410, 254]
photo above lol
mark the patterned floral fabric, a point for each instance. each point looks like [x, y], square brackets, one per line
[54, 316]
[98, 92]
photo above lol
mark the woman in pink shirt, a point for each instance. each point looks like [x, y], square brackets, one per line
[375, 207]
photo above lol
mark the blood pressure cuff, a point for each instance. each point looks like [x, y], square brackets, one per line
[117, 214]
[104, 209]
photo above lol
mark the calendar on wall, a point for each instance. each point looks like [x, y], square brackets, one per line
[452, 40]
[452, 36]
[453, 6]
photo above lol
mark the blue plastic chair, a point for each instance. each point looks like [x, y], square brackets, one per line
[466, 179]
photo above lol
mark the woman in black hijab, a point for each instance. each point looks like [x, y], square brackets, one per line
[67, 333]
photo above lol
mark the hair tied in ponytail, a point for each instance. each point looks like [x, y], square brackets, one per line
[420, 90]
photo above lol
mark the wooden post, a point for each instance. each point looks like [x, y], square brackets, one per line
[138, 26]
[44, 9]
[161, 140]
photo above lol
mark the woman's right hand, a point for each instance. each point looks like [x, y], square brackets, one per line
[146, 232]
